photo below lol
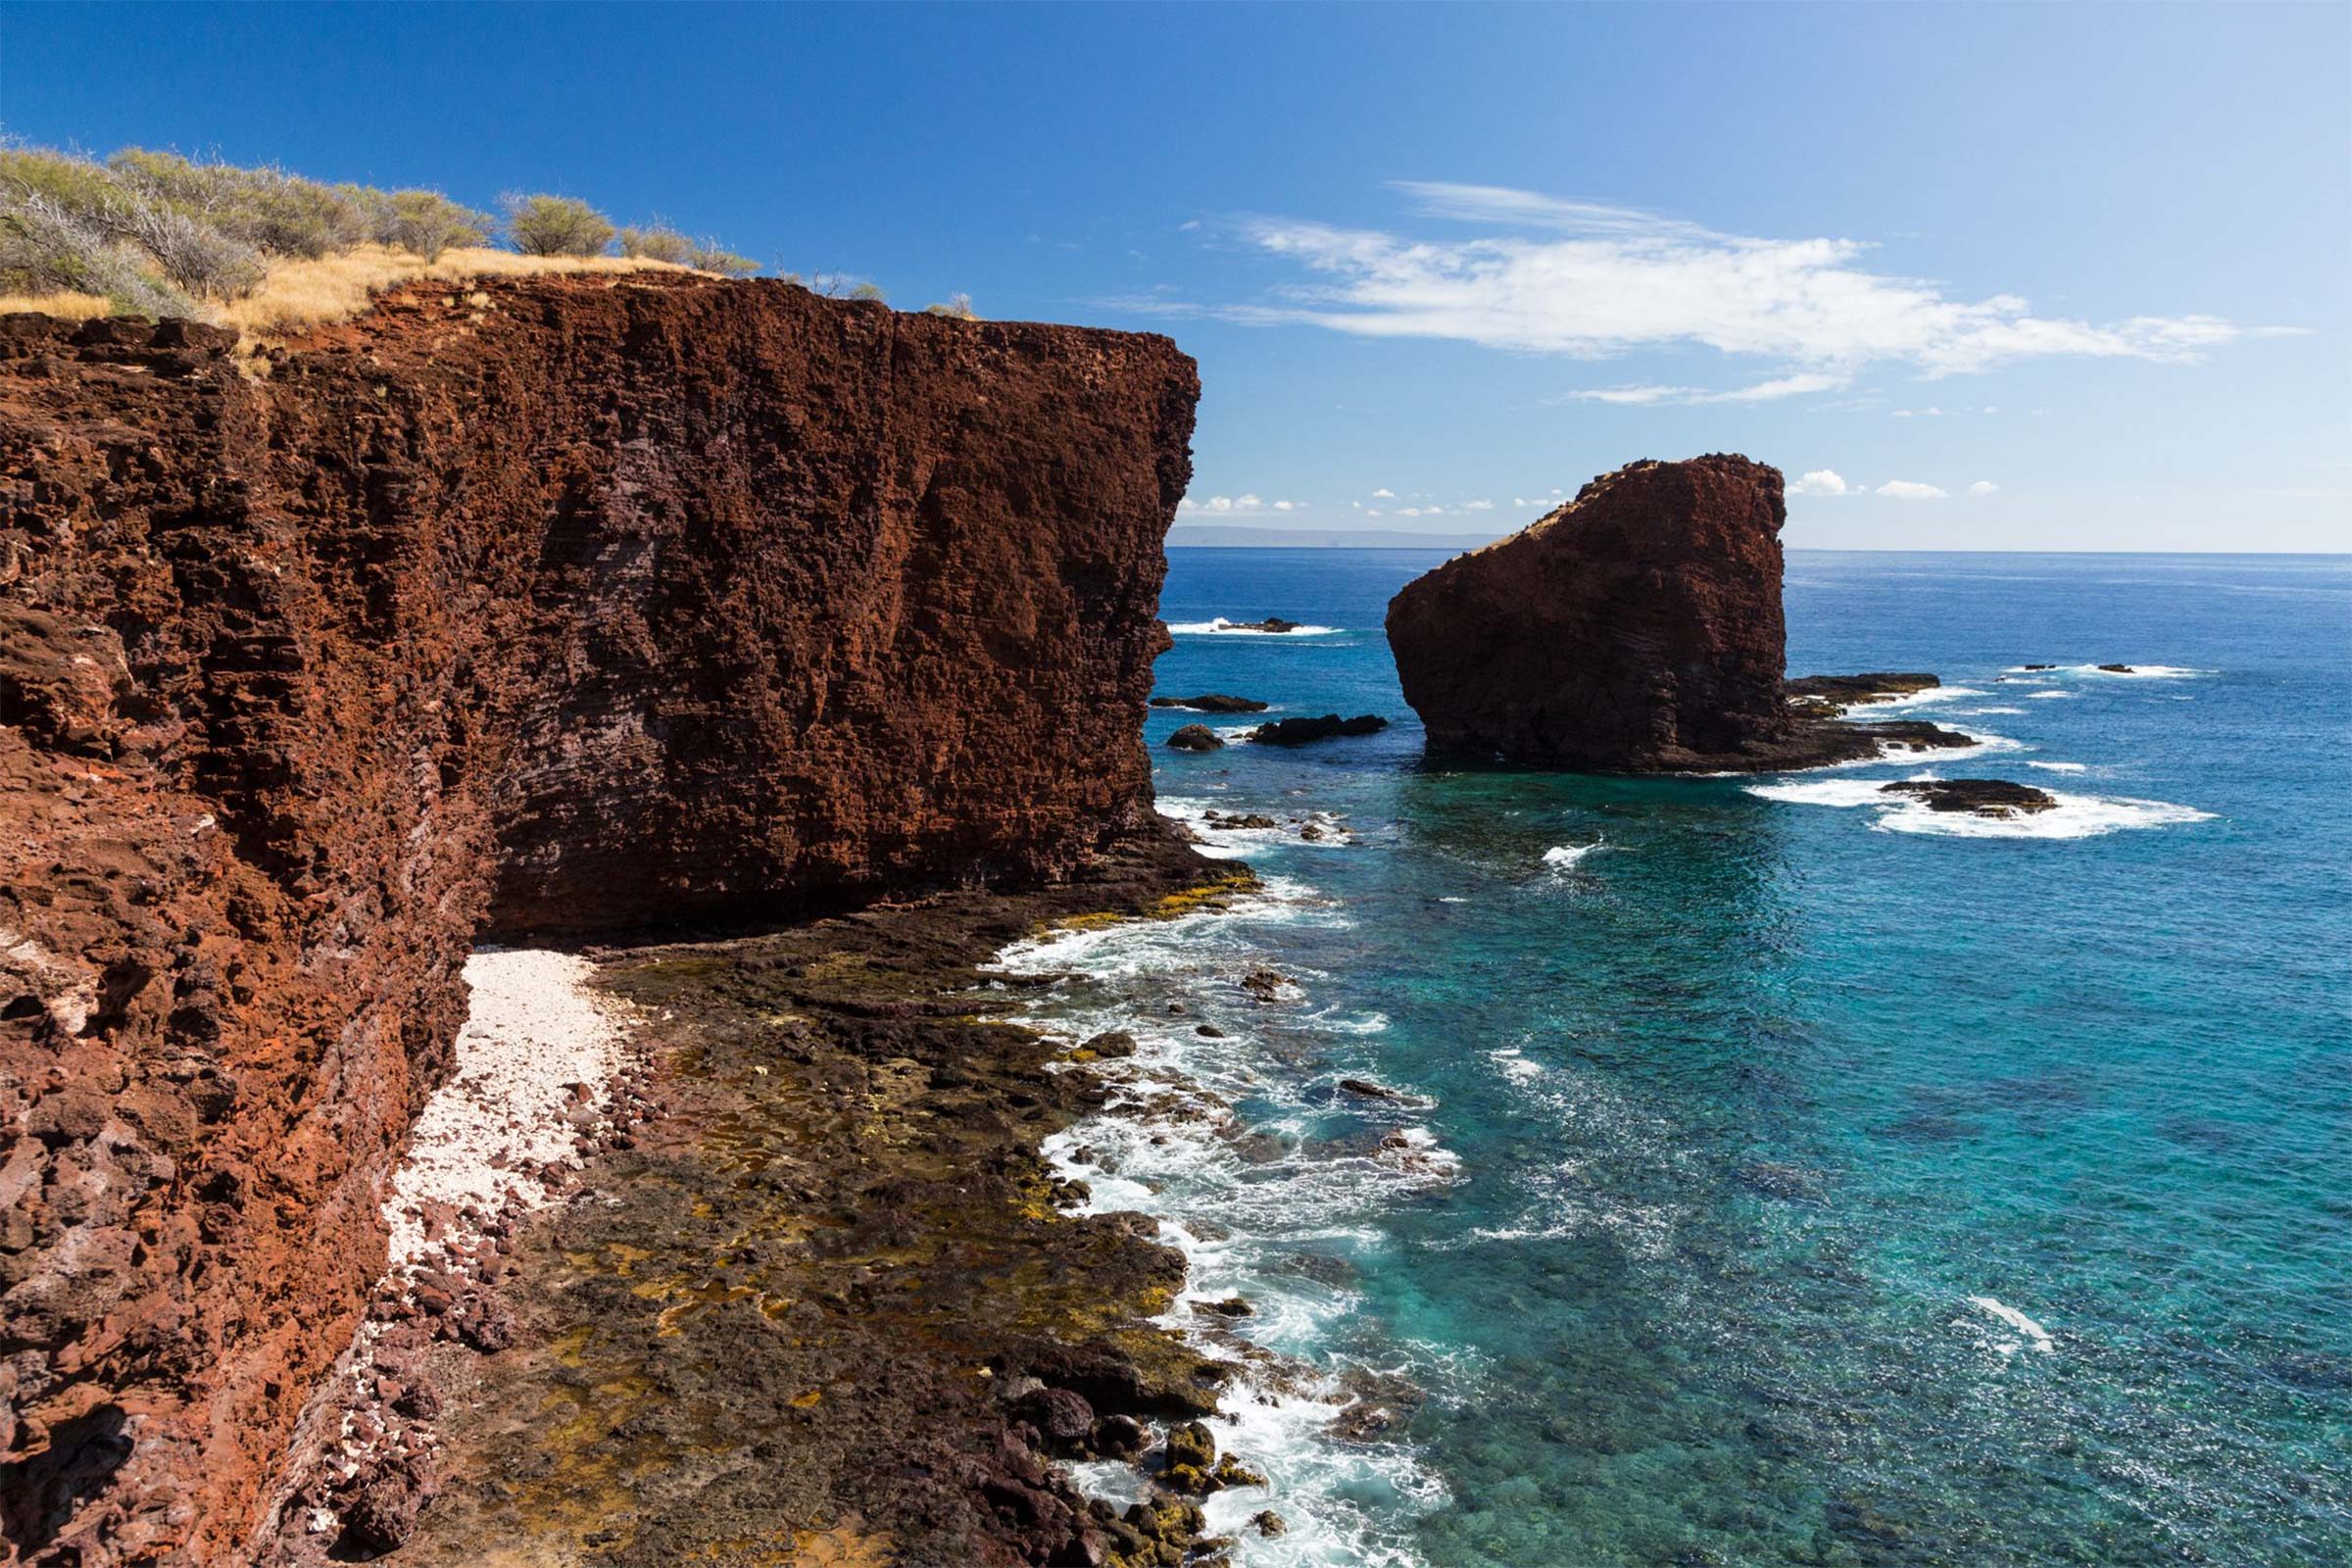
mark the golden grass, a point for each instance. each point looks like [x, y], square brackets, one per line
[66, 307]
[297, 295]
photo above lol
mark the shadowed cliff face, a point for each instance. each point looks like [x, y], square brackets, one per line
[566, 606]
[1637, 628]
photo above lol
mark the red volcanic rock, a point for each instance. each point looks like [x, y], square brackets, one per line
[1637, 627]
[568, 605]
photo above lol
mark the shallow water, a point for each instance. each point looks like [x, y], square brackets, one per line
[1793, 1179]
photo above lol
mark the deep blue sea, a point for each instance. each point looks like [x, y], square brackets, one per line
[1779, 1179]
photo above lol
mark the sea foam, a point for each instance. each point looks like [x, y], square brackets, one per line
[2074, 817]
[1228, 1130]
[1221, 628]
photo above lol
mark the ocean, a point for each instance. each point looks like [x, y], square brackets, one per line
[1767, 1176]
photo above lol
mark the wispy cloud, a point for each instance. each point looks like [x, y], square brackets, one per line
[1593, 280]
[1910, 490]
[1241, 506]
[1982, 487]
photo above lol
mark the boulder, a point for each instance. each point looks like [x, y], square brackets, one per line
[1196, 738]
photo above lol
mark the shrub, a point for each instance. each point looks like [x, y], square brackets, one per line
[555, 225]
[193, 254]
[658, 242]
[75, 184]
[423, 222]
[264, 209]
[959, 306]
[46, 249]
[708, 257]
[869, 291]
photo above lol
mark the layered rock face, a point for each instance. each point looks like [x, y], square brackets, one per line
[563, 604]
[1637, 628]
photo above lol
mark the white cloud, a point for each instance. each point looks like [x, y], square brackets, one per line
[1477, 505]
[1384, 493]
[1782, 386]
[1823, 483]
[1593, 280]
[1910, 490]
[1982, 487]
[1238, 505]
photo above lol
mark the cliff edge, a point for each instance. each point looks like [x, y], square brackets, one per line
[554, 605]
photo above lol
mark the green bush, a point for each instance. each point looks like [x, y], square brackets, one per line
[425, 221]
[710, 258]
[869, 291]
[555, 225]
[959, 306]
[658, 242]
[267, 210]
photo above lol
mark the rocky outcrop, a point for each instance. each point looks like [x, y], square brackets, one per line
[1213, 703]
[1637, 628]
[1836, 694]
[1302, 731]
[1977, 797]
[560, 605]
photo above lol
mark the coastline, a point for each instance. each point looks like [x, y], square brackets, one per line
[831, 1298]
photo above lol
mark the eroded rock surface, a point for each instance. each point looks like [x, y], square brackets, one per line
[562, 605]
[1637, 628]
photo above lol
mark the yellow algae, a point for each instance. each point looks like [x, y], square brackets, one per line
[1211, 895]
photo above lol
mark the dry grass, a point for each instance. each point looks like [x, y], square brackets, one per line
[301, 294]
[66, 307]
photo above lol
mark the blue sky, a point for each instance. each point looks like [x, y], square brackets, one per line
[2097, 258]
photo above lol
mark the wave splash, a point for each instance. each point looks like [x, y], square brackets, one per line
[1221, 628]
[2074, 817]
[1252, 1165]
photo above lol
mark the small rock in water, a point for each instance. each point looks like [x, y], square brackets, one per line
[1267, 1522]
[2117, 669]
[1984, 797]
[1368, 1089]
[1264, 984]
[1211, 703]
[1300, 731]
[1196, 738]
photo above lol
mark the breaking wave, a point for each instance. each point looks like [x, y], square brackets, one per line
[2074, 817]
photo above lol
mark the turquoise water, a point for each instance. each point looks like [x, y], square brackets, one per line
[1782, 1183]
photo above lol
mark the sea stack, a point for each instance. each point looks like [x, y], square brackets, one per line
[1636, 629]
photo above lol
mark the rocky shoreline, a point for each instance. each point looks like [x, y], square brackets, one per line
[823, 1301]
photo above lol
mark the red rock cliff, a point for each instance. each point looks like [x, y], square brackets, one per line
[562, 606]
[1637, 628]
